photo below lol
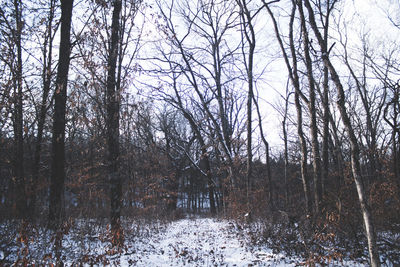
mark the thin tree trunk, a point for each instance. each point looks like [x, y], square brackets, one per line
[355, 151]
[286, 156]
[267, 162]
[293, 75]
[313, 114]
[395, 131]
[248, 34]
[21, 203]
[46, 76]
[58, 140]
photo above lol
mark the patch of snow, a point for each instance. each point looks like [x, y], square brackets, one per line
[201, 242]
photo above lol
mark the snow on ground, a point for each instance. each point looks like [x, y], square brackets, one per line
[187, 242]
[201, 242]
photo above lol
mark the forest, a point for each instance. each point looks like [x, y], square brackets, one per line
[279, 120]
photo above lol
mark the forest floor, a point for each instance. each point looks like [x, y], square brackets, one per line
[192, 241]
[203, 242]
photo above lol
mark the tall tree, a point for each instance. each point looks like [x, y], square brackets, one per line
[11, 26]
[58, 139]
[330, 4]
[355, 150]
[249, 37]
[204, 63]
[18, 115]
[47, 53]
[112, 125]
[312, 110]
[267, 157]
[295, 80]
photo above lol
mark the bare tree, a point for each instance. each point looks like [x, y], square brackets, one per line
[47, 74]
[58, 140]
[372, 101]
[355, 161]
[112, 126]
[325, 20]
[312, 111]
[12, 32]
[294, 78]
[249, 37]
[267, 157]
[205, 68]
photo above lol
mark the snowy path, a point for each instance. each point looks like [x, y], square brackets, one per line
[200, 242]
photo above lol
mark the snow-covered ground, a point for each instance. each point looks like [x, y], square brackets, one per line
[187, 242]
[201, 242]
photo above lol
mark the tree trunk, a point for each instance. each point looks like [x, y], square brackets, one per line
[355, 161]
[248, 34]
[286, 155]
[293, 75]
[313, 114]
[205, 159]
[21, 203]
[112, 124]
[46, 76]
[58, 139]
[267, 162]
[325, 133]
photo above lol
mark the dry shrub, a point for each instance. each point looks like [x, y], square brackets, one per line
[385, 203]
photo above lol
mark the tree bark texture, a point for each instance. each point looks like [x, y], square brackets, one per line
[58, 139]
[112, 124]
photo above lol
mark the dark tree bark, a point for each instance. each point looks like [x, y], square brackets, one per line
[294, 77]
[313, 113]
[19, 181]
[112, 125]
[325, 101]
[46, 76]
[285, 142]
[267, 162]
[249, 36]
[58, 139]
[391, 118]
[355, 150]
